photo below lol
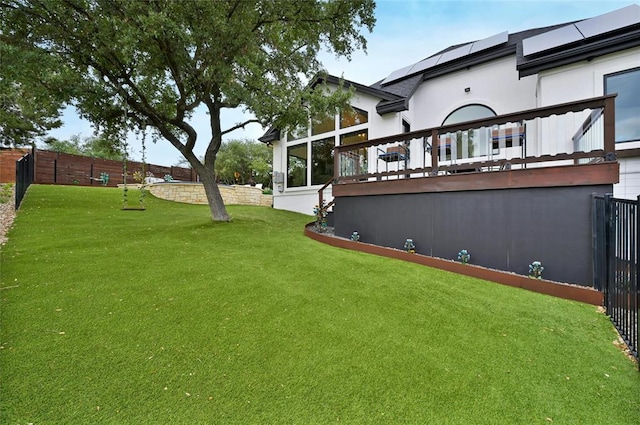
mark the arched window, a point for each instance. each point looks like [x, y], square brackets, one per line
[469, 113]
[465, 144]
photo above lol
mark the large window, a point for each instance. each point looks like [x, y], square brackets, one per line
[627, 85]
[354, 162]
[297, 165]
[356, 137]
[353, 117]
[323, 124]
[322, 160]
[300, 132]
[310, 160]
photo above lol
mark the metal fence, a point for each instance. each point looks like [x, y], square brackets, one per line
[24, 176]
[616, 225]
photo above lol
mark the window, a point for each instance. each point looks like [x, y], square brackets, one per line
[353, 117]
[323, 125]
[464, 144]
[322, 160]
[627, 85]
[300, 132]
[297, 165]
[406, 127]
[351, 138]
[469, 113]
[354, 162]
[310, 158]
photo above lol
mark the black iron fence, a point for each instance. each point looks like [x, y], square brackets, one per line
[24, 176]
[616, 225]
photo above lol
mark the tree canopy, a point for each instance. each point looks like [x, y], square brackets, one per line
[244, 162]
[94, 146]
[30, 102]
[150, 64]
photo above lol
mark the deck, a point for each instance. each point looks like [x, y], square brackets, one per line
[511, 189]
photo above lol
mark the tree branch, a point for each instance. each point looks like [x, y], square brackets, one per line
[241, 125]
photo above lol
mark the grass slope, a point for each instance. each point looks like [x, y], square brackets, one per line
[161, 316]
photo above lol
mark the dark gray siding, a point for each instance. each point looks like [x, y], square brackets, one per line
[502, 229]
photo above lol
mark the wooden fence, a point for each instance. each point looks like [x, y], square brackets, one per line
[61, 168]
[8, 158]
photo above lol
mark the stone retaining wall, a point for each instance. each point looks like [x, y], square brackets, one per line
[193, 193]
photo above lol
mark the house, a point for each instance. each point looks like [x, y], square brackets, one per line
[540, 135]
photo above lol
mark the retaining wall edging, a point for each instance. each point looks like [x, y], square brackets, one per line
[556, 289]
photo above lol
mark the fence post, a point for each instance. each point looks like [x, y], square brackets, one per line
[18, 183]
[596, 234]
[24, 177]
[608, 232]
[636, 294]
[35, 160]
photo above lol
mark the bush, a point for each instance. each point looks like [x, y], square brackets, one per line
[6, 192]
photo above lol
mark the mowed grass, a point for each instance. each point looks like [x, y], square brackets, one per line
[163, 317]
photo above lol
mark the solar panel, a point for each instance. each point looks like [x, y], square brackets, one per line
[424, 64]
[455, 53]
[586, 29]
[611, 21]
[551, 39]
[397, 74]
[459, 52]
[487, 43]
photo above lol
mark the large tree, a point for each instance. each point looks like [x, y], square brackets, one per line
[151, 63]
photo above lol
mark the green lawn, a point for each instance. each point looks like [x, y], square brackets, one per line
[163, 317]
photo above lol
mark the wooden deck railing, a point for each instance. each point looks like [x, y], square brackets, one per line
[547, 136]
[321, 203]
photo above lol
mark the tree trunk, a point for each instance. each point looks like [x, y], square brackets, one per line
[216, 205]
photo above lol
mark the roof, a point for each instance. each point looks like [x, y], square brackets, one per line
[273, 133]
[535, 49]
[581, 40]
[439, 68]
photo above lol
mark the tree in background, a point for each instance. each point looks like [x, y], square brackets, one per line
[95, 146]
[133, 65]
[30, 102]
[244, 162]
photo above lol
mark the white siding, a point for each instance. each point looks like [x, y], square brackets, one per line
[629, 186]
[302, 201]
[494, 84]
[584, 80]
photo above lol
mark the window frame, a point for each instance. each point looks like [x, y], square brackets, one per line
[305, 175]
[356, 111]
[605, 77]
[308, 141]
[444, 122]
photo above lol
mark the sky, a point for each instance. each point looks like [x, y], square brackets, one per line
[406, 32]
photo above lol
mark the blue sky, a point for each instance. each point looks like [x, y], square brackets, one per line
[406, 31]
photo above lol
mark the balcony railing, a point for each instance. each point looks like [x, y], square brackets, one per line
[566, 134]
